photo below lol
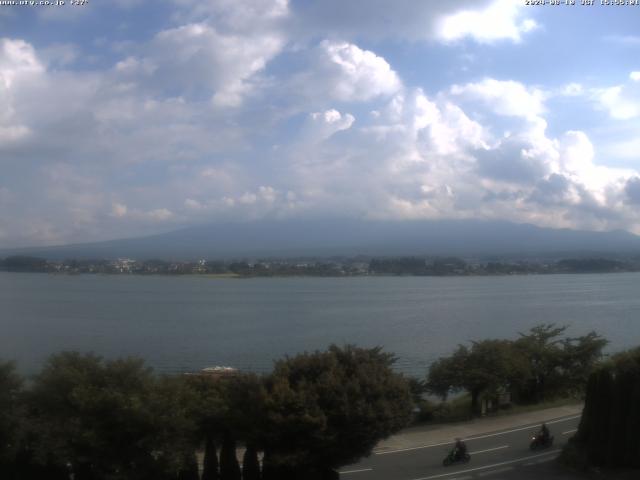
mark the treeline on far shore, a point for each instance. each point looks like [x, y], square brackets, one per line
[88, 418]
[335, 267]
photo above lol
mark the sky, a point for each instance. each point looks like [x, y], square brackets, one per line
[122, 118]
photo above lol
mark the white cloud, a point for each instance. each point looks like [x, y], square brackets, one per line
[13, 133]
[445, 128]
[482, 20]
[621, 102]
[193, 125]
[19, 65]
[321, 125]
[159, 214]
[577, 152]
[504, 97]
[501, 20]
[355, 74]
[236, 15]
[196, 58]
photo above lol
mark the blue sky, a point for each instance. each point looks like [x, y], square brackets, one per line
[125, 118]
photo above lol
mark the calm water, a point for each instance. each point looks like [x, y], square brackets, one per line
[186, 323]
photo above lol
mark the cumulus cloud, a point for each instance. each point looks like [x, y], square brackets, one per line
[17, 59]
[343, 71]
[321, 125]
[486, 21]
[504, 97]
[632, 190]
[512, 161]
[500, 20]
[235, 15]
[197, 59]
[229, 111]
[622, 102]
[18, 64]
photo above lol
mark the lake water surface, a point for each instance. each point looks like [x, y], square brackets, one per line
[186, 323]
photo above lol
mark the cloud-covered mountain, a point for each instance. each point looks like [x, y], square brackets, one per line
[258, 109]
[347, 237]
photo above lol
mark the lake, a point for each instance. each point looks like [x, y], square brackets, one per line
[186, 323]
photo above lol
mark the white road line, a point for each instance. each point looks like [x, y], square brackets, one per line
[414, 448]
[569, 431]
[400, 450]
[520, 429]
[509, 462]
[489, 450]
[356, 471]
[493, 472]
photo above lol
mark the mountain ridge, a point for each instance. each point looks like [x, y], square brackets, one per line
[330, 237]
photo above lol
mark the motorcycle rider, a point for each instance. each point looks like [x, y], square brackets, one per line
[544, 434]
[460, 449]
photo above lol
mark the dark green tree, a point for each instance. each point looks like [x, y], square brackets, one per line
[446, 375]
[579, 356]
[11, 419]
[210, 467]
[109, 418]
[229, 467]
[487, 368]
[607, 434]
[189, 468]
[328, 409]
[542, 347]
[250, 464]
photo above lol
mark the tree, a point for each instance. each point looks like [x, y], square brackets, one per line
[558, 366]
[11, 418]
[579, 356]
[446, 375]
[328, 409]
[607, 434]
[109, 418]
[538, 365]
[542, 348]
[189, 468]
[489, 367]
[492, 366]
[228, 408]
[210, 467]
[250, 464]
[229, 467]
[173, 406]
[22, 263]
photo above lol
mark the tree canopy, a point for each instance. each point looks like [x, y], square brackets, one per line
[115, 419]
[541, 364]
[608, 432]
[109, 418]
[331, 408]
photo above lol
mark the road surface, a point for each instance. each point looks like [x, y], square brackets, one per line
[502, 454]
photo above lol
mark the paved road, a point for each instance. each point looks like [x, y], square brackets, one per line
[496, 454]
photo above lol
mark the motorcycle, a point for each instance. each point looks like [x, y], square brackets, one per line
[455, 457]
[538, 442]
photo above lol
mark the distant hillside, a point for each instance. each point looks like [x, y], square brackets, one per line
[294, 238]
